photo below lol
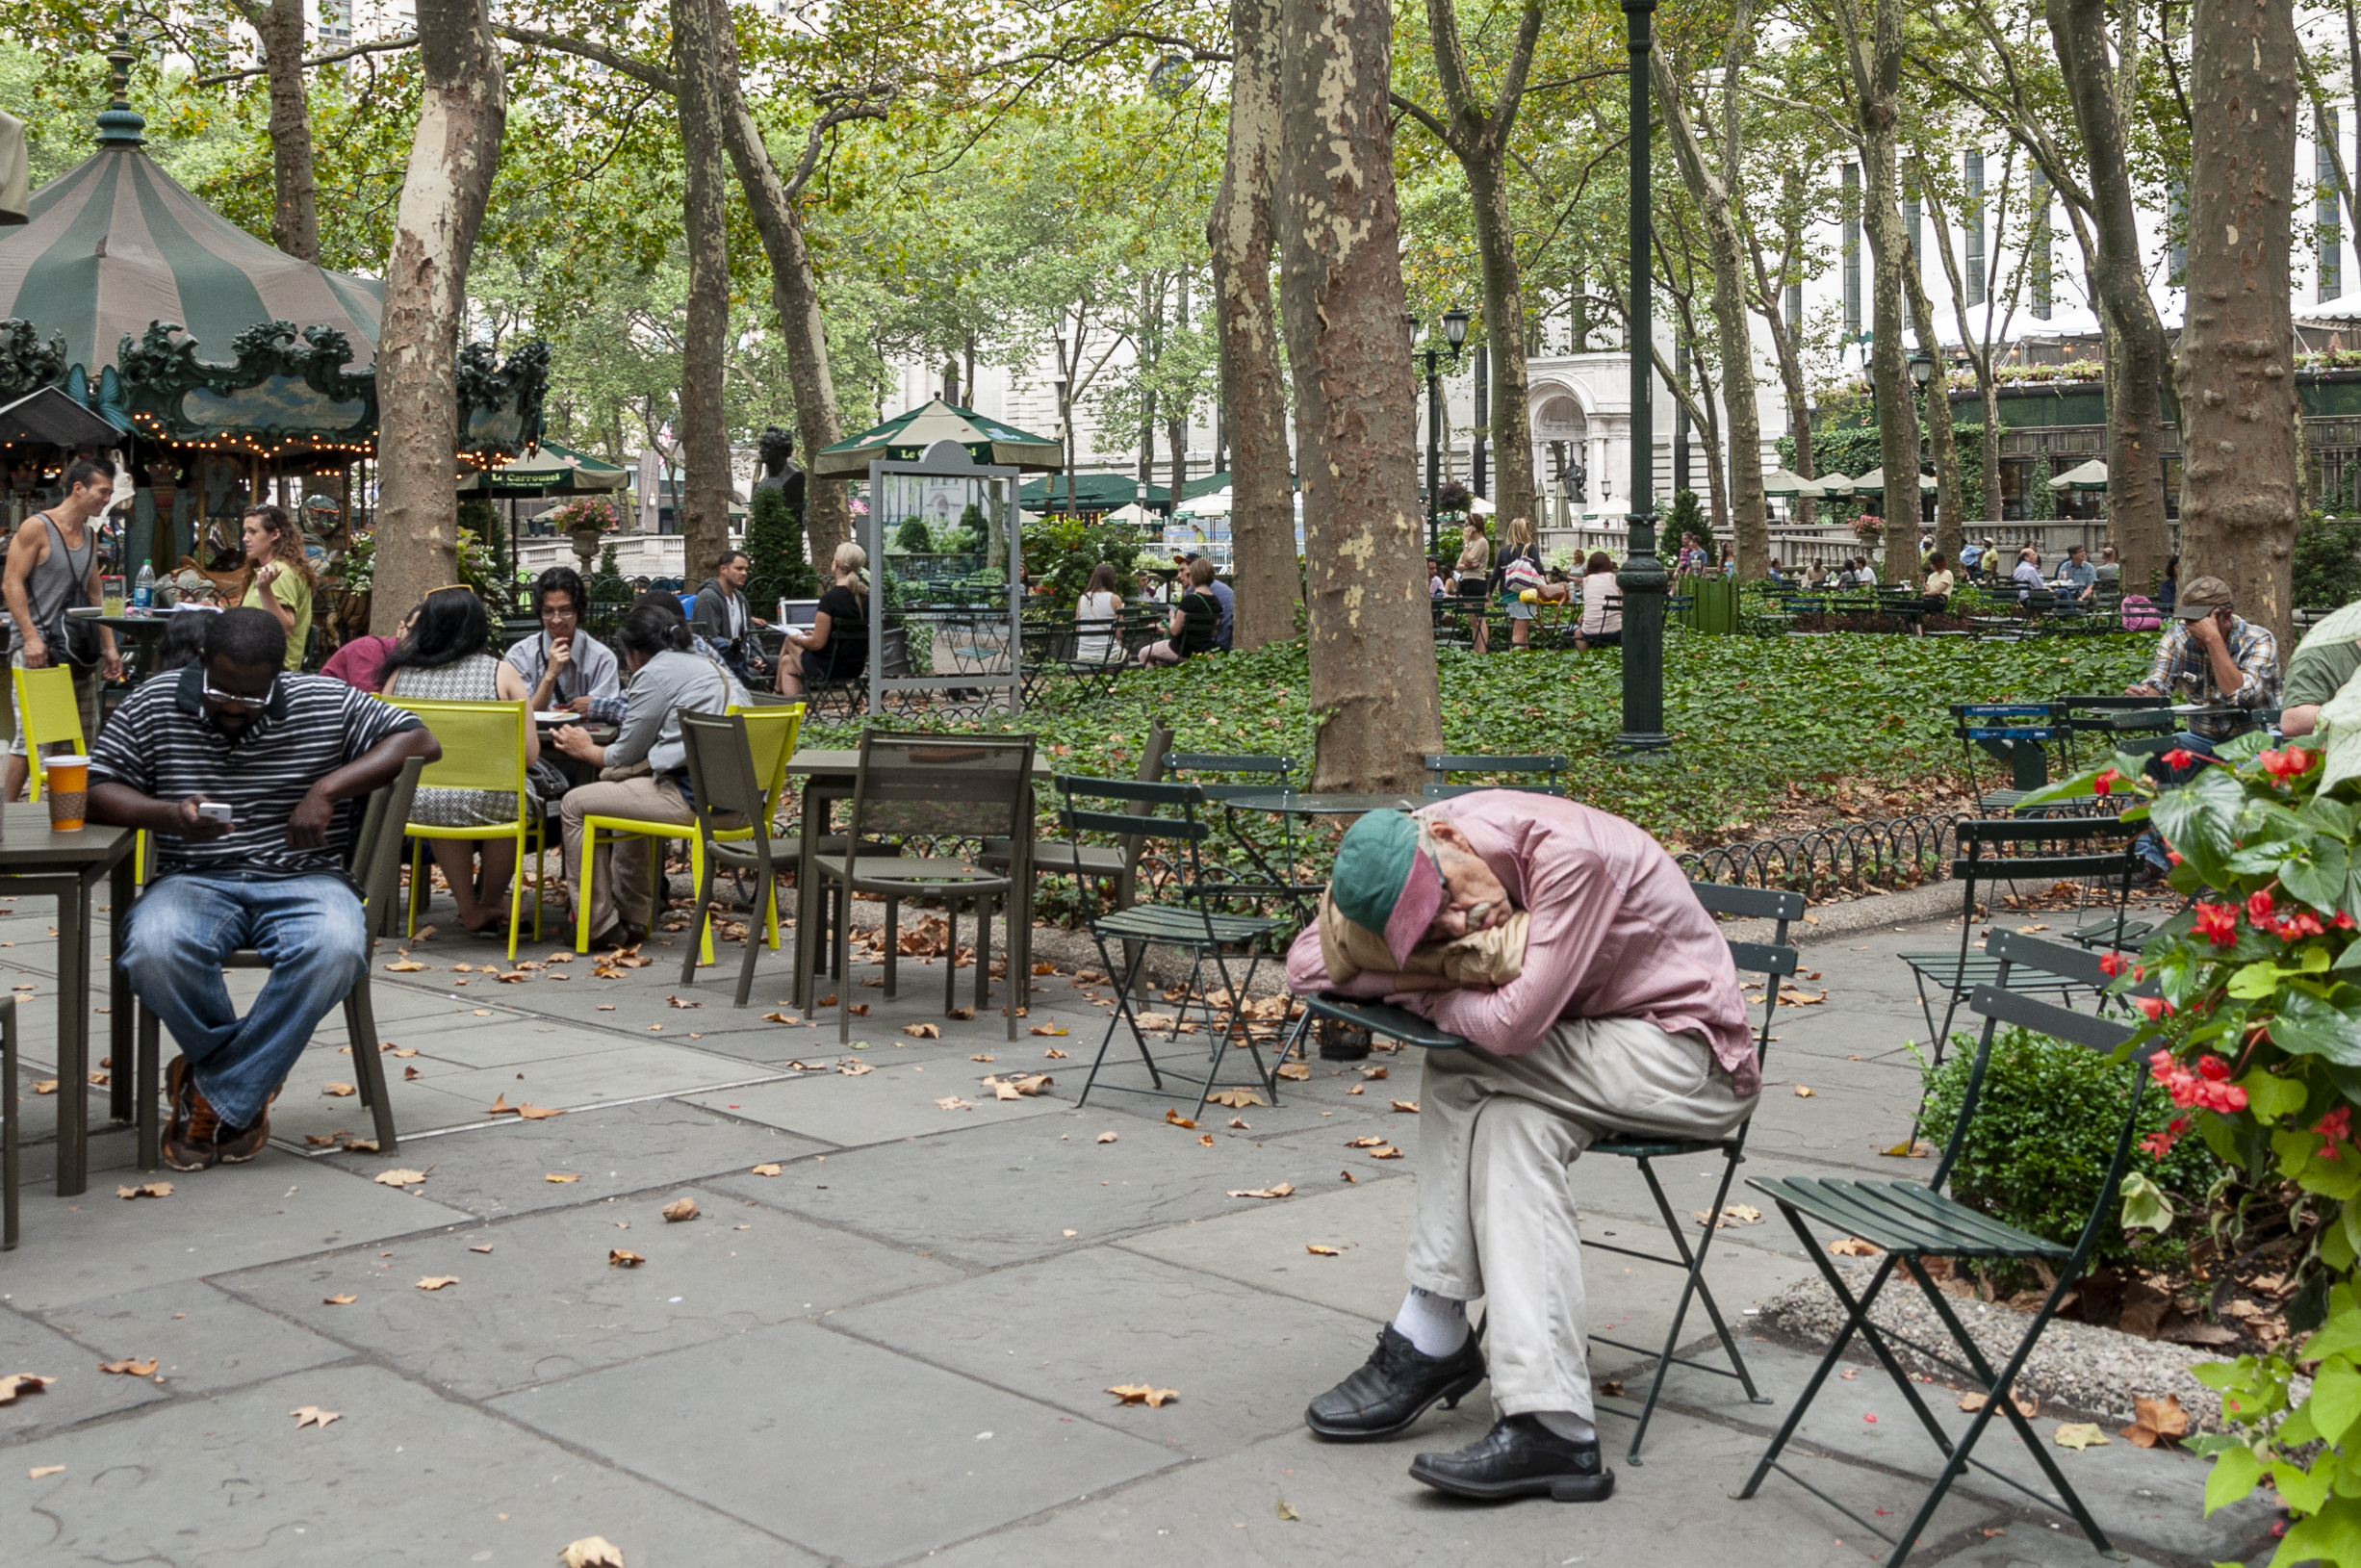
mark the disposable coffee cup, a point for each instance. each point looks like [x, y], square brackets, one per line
[66, 788]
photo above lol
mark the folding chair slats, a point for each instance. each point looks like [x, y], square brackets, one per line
[1172, 923]
[1980, 1234]
[1855, 1206]
[1390, 1022]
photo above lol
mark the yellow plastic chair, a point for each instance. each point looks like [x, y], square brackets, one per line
[483, 748]
[771, 733]
[47, 714]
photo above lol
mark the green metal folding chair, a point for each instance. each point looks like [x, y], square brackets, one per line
[1912, 1221]
[1186, 918]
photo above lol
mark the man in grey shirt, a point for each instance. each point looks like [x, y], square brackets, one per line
[52, 563]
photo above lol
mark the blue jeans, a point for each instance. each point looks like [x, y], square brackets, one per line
[2149, 846]
[311, 930]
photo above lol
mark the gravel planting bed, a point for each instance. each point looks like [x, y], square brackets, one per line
[2087, 1370]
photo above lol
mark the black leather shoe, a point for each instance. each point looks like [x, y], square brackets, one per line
[1519, 1457]
[1393, 1388]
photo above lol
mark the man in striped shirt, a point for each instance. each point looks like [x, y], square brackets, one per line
[293, 757]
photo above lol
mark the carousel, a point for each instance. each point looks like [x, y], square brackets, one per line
[225, 372]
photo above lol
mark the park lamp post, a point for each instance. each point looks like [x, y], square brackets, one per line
[1642, 578]
[1454, 333]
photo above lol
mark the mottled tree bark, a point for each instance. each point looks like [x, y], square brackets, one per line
[1875, 61]
[2136, 345]
[1713, 187]
[1942, 443]
[1372, 660]
[1241, 232]
[698, 30]
[1478, 134]
[294, 210]
[2235, 368]
[462, 113]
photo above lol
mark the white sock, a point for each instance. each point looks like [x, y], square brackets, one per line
[1436, 1324]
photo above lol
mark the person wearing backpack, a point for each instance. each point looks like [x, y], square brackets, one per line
[1520, 573]
[53, 567]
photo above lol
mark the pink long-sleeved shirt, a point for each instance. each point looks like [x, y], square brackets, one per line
[1616, 933]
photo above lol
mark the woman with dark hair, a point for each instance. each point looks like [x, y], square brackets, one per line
[182, 644]
[1602, 623]
[283, 574]
[442, 658]
[1095, 614]
[644, 770]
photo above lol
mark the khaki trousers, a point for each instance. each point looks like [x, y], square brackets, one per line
[620, 887]
[1496, 1213]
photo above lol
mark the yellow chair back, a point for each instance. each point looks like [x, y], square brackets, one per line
[47, 714]
[771, 734]
[483, 743]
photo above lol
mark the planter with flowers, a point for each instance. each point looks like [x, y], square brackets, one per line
[2254, 992]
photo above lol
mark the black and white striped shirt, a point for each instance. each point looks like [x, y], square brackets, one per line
[162, 743]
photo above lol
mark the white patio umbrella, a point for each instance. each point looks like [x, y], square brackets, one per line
[1212, 504]
[1778, 481]
[2089, 475]
[1834, 484]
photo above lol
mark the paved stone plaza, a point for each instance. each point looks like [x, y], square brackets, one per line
[896, 1348]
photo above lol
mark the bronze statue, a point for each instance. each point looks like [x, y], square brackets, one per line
[779, 469]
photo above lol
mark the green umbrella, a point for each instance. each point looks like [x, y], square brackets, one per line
[906, 437]
[552, 470]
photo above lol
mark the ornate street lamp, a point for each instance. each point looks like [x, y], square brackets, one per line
[1642, 579]
[1454, 333]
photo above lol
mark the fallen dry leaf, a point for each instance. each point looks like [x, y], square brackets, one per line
[39, 1472]
[1287, 1510]
[680, 1209]
[951, 1102]
[338, 1090]
[1206, 1138]
[769, 1170]
[1050, 1029]
[1852, 1247]
[399, 1050]
[483, 1247]
[923, 1031]
[435, 1282]
[1294, 1071]
[1321, 1250]
[411, 1075]
[1355, 1090]
[675, 1001]
[130, 1368]
[45, 1086]
[1349, 1176]
[1385, 1151]
[2080, 1435]
[500, 1107]
[1237, 1100]
[1280, 1191]
[982, 1058]
[1106, 1137]
[1053, 1054]
[1376, 1072]
[624, 1258]
[1612, 1388]
[1906, 1150]
[1240, 1123]
[592, 1552]
[320, 1139]
[1372, 1142]
[1744, 1214]
[338, 1300]
[14, 1383]
[859, 1009]
[557, 1175]
[1176, 1118]
[311, 1415]
[398, 1178]
[1155, 1398]
[852, 1068]
[147, 1189]
[2026, 1406]
[962, 1013]
[538, 1112]
[406, 967]
[1407, 1107]
[2160, 1422]
[1804, 1093]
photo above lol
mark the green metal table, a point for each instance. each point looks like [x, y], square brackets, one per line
[37, 861]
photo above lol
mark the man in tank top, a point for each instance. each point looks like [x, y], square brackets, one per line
[52, 563]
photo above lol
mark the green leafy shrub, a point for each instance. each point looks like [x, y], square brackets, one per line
[1063, 552]
[779, 565]
[2327, 564]
[2045, 1133]
[1684, 516]
[914, 537]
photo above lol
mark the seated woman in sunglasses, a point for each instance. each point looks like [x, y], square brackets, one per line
[290, 758]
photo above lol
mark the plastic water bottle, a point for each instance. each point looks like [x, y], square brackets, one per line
[143, 589]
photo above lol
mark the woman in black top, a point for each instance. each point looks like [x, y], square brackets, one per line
[1196, 620]
[836, 647]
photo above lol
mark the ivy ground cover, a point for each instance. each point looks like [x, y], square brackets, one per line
[1762, 727]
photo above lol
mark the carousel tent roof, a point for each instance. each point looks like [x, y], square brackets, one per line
[906, 438]
[115, 243]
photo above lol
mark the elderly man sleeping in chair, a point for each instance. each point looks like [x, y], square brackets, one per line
[1597, 997]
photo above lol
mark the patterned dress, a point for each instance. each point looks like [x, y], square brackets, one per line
[475, 678]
